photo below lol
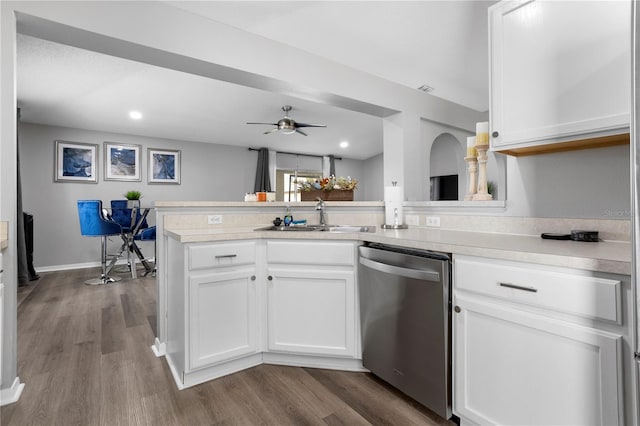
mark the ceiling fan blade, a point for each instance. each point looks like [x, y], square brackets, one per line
[271, 131]
[301, 132]
[270, 124]
[310, 125]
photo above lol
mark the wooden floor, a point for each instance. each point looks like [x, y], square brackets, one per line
[84, 355]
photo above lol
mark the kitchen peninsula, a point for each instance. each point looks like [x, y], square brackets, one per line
[291, 297]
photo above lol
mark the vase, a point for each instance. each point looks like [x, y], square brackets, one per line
[335, 195]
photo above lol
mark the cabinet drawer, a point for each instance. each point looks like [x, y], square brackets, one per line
[221, 255]
[313, 253]
[578, 294]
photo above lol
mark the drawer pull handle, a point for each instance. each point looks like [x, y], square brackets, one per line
[270, 278]
[222, 256]
[519, 287]
[253, 277]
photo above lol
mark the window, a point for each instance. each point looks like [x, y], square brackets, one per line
[286, 185]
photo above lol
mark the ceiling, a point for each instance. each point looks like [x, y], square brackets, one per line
[439, 43]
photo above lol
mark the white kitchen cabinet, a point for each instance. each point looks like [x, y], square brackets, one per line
[311, 298]
[521, 356]
[222, 316]
[213, 309]
[559, 74]
[311, 312]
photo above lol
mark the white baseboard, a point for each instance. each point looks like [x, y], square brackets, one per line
[12, 394]
[159, 349]
[71, 266]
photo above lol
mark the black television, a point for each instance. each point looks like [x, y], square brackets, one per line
[444, 188]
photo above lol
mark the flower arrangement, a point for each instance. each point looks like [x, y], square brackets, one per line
[330, 183]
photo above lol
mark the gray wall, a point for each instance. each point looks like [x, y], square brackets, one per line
[209, 173]
[373, 177]
[591, 183]
[354, 168]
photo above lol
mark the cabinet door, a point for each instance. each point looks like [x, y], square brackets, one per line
[559, 69]
[512, 367]
[222, 322]
[311, 312]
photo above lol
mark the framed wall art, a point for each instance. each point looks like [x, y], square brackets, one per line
[164, 166]
[122, 162]
[75, 162]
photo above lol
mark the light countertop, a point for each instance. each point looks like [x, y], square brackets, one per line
[613, 257]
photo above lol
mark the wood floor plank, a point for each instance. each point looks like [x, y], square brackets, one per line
[84, 355]
[112, 327]
[132, 312]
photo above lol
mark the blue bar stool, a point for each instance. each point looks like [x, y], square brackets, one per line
[93, 224]
[148, 234]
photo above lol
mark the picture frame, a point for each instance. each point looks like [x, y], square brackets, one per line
[164, 166]
[122, 162]
[75, 162]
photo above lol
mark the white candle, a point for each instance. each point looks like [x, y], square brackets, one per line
[482, 133]
[471, 146]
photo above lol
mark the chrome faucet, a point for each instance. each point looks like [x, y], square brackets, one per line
[320, 207]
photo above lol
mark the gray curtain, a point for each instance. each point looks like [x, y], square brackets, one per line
[263, 183]
[332, 165]
[23, 270]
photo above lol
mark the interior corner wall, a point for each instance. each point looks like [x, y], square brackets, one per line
[354, 168]
[373, 176]
[210, 172]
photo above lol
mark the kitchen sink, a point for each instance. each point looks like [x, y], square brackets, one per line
[319, 228]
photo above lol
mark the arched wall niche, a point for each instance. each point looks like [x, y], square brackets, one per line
[445, 154]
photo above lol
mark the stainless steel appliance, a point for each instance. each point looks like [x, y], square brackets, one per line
[406, 321]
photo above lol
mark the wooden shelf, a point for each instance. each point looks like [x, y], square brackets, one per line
[600, 142]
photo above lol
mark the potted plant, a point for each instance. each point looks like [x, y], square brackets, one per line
[328, 189]
[133, 198]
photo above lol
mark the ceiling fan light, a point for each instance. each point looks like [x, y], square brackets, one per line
[287, 131]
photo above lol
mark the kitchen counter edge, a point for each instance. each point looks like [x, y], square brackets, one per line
[605, 256]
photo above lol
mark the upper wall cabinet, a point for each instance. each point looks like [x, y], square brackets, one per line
[560, 75]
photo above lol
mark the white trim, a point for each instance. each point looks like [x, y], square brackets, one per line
[12, 394]
[329, 363]
[159, 348]
[174, 372]
[71, 266]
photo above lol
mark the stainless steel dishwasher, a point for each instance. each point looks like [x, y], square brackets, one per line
[405, 320]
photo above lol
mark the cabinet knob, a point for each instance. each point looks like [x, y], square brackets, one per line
[495, 134]
[270, 278]
[457, 309]
[253, 277]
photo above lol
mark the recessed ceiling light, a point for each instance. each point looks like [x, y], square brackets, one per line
[344, 144]
[136, 115]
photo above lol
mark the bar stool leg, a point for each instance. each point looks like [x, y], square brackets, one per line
[104, 279]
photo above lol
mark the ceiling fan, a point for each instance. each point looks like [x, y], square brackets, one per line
[288, 125]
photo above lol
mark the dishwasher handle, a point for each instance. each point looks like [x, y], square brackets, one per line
[404, 272]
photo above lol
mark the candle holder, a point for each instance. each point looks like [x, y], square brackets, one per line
[482, 193]
[472, 164]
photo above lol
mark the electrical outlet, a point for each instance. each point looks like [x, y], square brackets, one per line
[214, 219]
[433, 221]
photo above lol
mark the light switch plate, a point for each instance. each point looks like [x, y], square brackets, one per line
[214, 219]
[433, 221]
